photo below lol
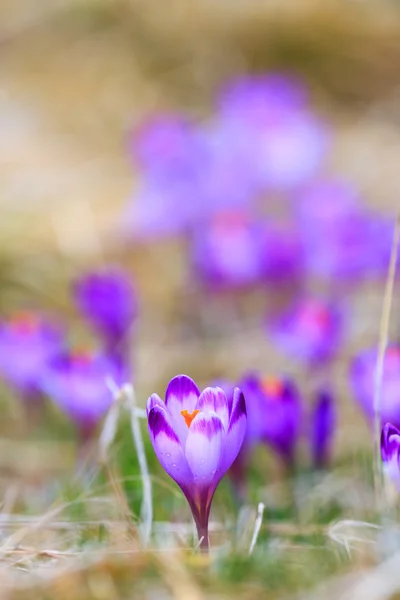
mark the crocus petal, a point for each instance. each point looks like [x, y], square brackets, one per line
[213, 399]
[153, 401]
[323, 426]
[167, 447]
[236, 431]
[204, 448]
[390, 441]
[182, 394]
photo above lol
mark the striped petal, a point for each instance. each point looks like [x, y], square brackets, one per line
[153, 401]
[390, 446]
[182, 394]
[236, 431]
[167, 447]
[204, 448]
[213, 399]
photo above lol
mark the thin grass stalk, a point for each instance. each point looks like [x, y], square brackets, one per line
[383, 342]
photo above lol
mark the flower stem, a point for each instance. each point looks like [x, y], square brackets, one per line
[204, 542]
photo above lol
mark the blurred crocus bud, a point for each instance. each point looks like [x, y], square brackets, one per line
[196, 437]
[311, 330]
[108, 301]
[27, 343]
[362, 380]
[323, 423]
[274, 411]
[390, 446]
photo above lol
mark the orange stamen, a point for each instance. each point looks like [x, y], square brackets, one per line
[272, 386]
[189, 416]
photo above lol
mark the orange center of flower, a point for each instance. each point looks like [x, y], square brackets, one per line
[314, 313]
[24, 322]
[273, 387]
[189, 416]
[82, 356]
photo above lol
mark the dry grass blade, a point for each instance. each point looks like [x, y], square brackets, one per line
[383, 341]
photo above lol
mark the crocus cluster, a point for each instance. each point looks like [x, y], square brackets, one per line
[37, 360]
[198, 437]
[262, 136]
[27, 342]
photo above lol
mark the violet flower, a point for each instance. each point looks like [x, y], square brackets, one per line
[341, 238]
[323, 424]
[274, 412]
[202, 171]
[77, 383]
[362, 376]
[390, 447]
[311, 330]
[108, 301]
[27, 343]
[288, 142]
[226, 252]
[196, 438]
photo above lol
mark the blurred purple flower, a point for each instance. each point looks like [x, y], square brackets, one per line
[273, 414]
[390, 446]
[77, 383]
[282, 255]
[255, 96]
[269, 114]
[196, 438]
[311, 330]
[362, 376]
[341, 238]
[27, 343]
[108, 301]
[323, 423]
[227, 251]
[188, 173]
[166, 147]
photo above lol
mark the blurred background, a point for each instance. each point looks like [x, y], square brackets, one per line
[237, 161]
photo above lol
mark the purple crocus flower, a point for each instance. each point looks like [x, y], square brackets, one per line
[270, 115]
[362, 376]
[323, 423]
[341, 238]
[27, 343]
[273, 414]
[196, 438]
[227, 250]
[188, 174]
[108, 301]
[390, 447]
[311, 330]
[77, 383]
